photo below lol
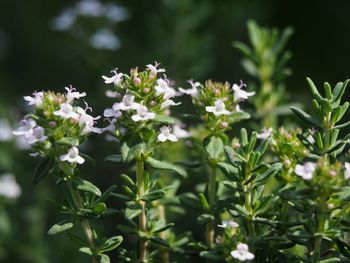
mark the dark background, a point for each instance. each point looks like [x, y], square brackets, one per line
[192, 39]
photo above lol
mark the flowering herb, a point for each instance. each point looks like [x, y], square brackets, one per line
[54, 129]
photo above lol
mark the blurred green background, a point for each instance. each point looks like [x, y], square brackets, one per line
[51, 44]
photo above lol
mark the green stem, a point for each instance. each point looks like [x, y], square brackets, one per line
[164, 251]
[319, 229]
[143, 249]
[248, 207]
[85, 222]
[210, 233]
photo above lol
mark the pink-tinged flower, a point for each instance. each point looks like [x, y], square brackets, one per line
[72, 156]
[242, 252]
[193, 91]
[88, 121]
[306, 170]
[37, 135]
[111, 113]
[163, 87]
[179, 132]
[239, 93]
[9, 187]
[142, 114]
[165, 135]
[154, 69]
[218, 108]
[36, 100]
[169, 103]
[115, 79]
[228, 224]
[265, 134]
[26, 128]
[72, 94]
[126, 104]
[66, 111]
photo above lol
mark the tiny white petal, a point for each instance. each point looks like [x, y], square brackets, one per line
[9, 187]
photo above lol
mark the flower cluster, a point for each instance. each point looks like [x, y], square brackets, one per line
[218, 103]
[57, 125]
[143, 104]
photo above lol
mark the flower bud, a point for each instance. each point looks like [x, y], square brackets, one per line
[224, 125]
[287, 162]
[52, 124]
[330, 206]
[153, 103]
[146, 90]
[236, 145]
[137, 81]
[332, 173]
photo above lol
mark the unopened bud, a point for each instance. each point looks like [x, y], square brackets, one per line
[287, 162]
[332, 173]
[137, 81]
[224, 124]
[52, 124]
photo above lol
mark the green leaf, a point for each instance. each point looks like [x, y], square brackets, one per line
[124, 149]
[133, 211]
[161, 226]
[204, 201]
[160, 241]
[191, 200]
[230, 171]
[210, 255]
[114, 158]
[60, 227]
[136, 151]
[86, 250]
[214, 147]
[240, 209]
[162, 165]
[238, 116]
[99, 208]
[104, 258]
[190, 164]
[68, 141]
[111, 243]
[205, 218]
[42, 170]
[151, 196]
[83, 185]
[106, 194]
[163, 119]
[305, 117]
[314, 90]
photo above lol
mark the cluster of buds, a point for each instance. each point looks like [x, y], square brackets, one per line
[57, 125]
[143, 104]
[218, 103]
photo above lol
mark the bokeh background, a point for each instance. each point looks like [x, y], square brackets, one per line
[52, 44]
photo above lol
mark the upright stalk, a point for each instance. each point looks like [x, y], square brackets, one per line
[164, 251]
[84, 223]
[143, 249]
[212, 200]
[319, 229]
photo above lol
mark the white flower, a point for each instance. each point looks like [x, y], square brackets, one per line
[228, 223]
[111, 113]
[5, 130]
[72, 156]
[66, 111]
[143, 114]
[242, 252]
[26, 128]
[347, 170]
[116, 79]
[193, 91]
[239, 93]
[8, 186]
[163, 87]
[36, 100]
[306, 170]
[179, 132]
[37, 135]
[218, 108]
[88, 121]
[105, 38]
[111, 94]
[168, 103]
[72, 94]
[166, 135]
[154, 70]
[265, 134]
[126, 104]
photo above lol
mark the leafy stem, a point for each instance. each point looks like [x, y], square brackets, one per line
[85, 222]
[143, 249]
[212, 200]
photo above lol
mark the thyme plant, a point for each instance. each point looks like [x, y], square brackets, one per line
[140, 120]
[54, 129]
